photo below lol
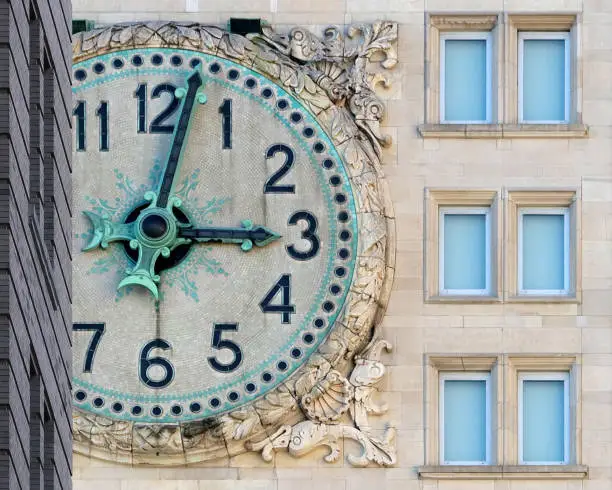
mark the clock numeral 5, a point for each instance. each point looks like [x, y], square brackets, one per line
[219, 344]
[102, 113]
[98, 330]
[285, 308]
[147, 363]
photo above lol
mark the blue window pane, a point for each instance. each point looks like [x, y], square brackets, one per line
[543, 421]
[465, 246]
[465, 80]
[543, 252]
[465, 423]
[544, 80]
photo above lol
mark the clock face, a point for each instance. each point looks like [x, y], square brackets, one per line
[199, 290]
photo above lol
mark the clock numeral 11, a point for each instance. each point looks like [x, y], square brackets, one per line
[102, 114]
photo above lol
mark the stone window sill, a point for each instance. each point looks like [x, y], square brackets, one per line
[508, 472]
[463, 299]
[543, 299]
[503, 131]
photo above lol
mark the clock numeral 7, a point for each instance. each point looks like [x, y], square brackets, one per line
[80, 113]
[98, 330]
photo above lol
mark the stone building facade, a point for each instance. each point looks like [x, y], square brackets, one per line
[35, 337]
[521, 347]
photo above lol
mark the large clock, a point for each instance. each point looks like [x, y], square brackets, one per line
[217, 233]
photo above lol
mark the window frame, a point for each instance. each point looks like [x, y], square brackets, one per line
[545, 35]
[487, 36]
[545, 376]
[557, 211]
[468, 376]
[484, 210]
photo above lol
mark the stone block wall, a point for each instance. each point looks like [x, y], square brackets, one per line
[418, 327]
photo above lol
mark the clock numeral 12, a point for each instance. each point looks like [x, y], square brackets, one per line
[98, 330]
[158, 125]
[102, 113]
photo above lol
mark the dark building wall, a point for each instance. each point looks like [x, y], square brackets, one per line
[35, 238]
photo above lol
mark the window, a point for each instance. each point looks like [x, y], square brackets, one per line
[543, 415]
[543, 259]
[465, 77]
[542, 250]
[463, 54]
[465, 251]
[465, 418]
[461, 245]
[544, 77]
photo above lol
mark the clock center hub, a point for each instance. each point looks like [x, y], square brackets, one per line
[154, 226]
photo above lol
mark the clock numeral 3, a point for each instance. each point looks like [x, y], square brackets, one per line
[285, 308]
[270, 186]
[219, 344]
[158, 125]
[308, 234]
[147, 363]
[80, 114]
[98, 330]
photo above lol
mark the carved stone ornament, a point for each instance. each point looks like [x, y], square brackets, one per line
[330, 397]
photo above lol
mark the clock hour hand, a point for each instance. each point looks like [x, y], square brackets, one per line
[189, 95]
[247, 236]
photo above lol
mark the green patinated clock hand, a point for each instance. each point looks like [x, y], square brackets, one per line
[247, 236]
[189, 97]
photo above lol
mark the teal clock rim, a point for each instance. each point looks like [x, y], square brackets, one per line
[239, 382]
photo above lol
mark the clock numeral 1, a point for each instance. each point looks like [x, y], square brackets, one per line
[147, 362]
[270, 186]
[285, 308]
[80, 113]
[226, 123]
[219, 344]
[98, 330]
[308, 234]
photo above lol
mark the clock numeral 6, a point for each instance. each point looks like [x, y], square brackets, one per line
[147, 363]
[285, 308]
[219, 344]
[98, 330]
[308, 234]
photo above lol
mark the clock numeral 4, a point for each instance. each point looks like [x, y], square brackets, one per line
[147, 363]
[308, 234]
[158, 125]
[270, 186]
[285, 308]
[219, 343]
[98, 330]
[80, 113]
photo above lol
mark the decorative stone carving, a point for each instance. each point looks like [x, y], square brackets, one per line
[331, 396]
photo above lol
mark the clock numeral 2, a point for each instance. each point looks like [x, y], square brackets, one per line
[285, 308]
[158, 125]
[219, 344]
[147, 362]
[80, 113]
[270, 186]
[98, 330]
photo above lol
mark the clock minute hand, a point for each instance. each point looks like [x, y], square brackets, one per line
[189, 96]
[247, 236]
